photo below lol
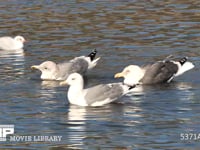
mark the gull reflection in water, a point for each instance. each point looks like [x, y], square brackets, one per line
[12, 63]
[76, 115]
[76, 124]
[50, 83]
[84, 124]
[49, 90]
[8, 53]
[52, 90]
[185, 90]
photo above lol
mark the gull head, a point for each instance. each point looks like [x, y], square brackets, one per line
[49, 70]
[20, 39]
[132, 74]
[73, 79]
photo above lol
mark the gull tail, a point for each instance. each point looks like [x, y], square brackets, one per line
[185, 66]
[183, 60]
[92, 54]
[93, 62]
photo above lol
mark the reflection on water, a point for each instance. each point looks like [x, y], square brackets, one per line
[123, 32]
[185, 90]
[76, 122]
[50, 83]
[12, 64]
[92, 126]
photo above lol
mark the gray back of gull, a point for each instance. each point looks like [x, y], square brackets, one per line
[159, 72]
[103, 91]
[79, 65]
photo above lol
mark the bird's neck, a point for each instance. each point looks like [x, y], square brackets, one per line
[18, 44]
[134, 78]
[75, 94]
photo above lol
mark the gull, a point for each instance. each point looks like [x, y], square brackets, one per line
[159, 72]
[94, 96]
[52, 71]
[9, 43]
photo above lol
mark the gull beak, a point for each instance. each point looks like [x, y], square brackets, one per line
[63, 83]
[119, 75]
[35, 67]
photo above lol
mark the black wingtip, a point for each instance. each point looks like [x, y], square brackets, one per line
[183, 60]
[92, 54]
[131, 87]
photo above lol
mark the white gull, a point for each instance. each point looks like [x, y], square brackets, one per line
[94, 96]
[9, 43]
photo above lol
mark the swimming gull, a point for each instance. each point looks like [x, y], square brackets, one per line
[94, 96]
[9, 43]
[52, 71]
[158, 72]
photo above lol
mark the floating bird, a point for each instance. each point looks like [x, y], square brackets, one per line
[52, 71]
[94, 96]
[159, 72]
[9, 43]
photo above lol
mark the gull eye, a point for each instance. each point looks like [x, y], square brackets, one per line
[73, 78]
[45, 68]
[19, 39]
[127, 71]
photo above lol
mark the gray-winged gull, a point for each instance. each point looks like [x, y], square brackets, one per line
[158, 72]
[52, 71]
[9, 43]
[94, 96]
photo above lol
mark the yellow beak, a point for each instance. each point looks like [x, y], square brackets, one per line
[119, 75]
[35, 67]
[63, 83]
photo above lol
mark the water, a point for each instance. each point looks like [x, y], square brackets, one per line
[129, 32]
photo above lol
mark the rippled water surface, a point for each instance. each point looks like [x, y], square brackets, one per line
[123, 32]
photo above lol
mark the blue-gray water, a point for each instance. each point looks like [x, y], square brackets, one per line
[129, 32]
